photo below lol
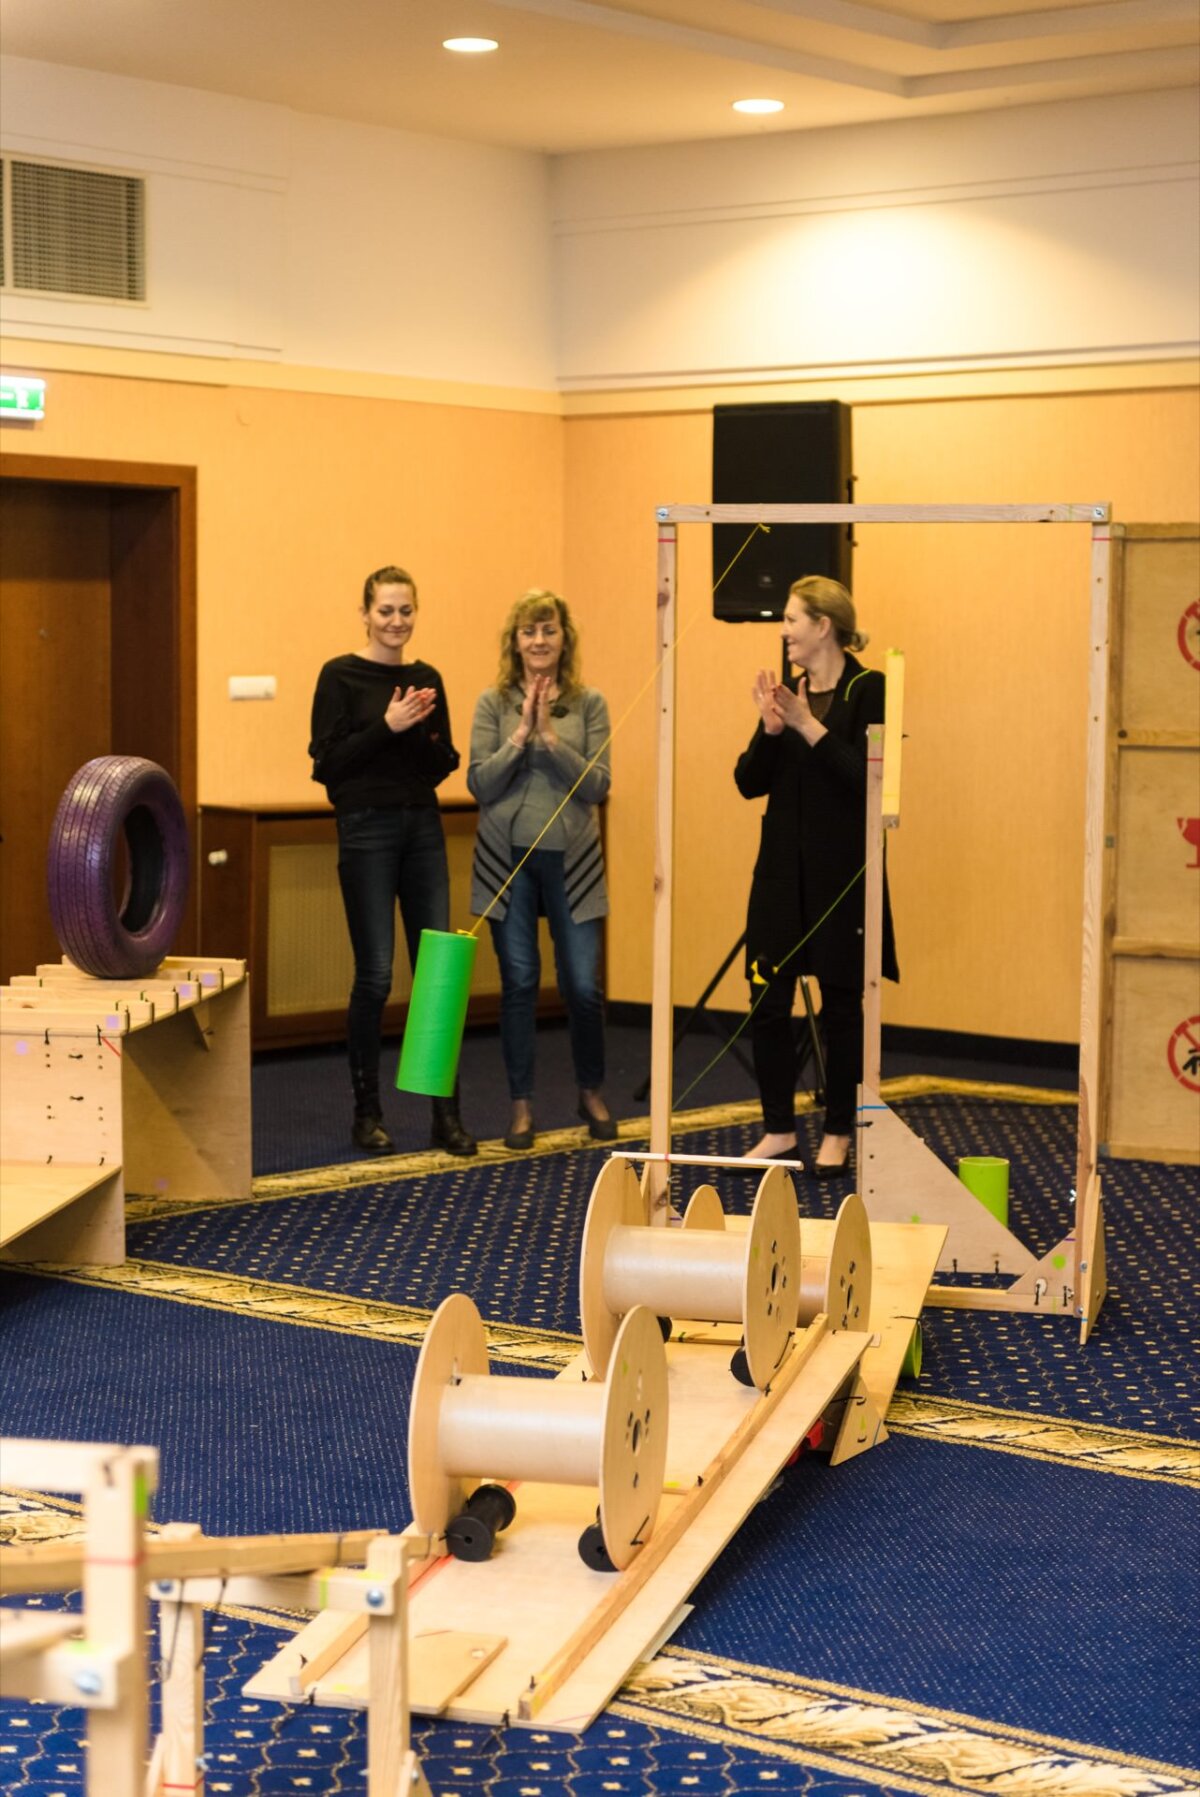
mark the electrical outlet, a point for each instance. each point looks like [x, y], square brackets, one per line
[252, 686]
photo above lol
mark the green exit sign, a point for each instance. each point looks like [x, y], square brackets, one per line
[21, 396]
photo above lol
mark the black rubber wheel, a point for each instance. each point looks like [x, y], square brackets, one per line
[592, 1550]
[112, 798]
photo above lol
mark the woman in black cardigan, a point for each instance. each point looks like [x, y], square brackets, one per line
[808, 758]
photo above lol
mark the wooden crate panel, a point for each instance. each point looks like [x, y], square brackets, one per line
[1158, 845]
[1155, 1069]
[1160, 634]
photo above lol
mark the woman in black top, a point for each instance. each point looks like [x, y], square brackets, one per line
[380, 745]
[808, 758]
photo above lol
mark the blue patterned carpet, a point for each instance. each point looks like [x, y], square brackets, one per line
[1003, 1598]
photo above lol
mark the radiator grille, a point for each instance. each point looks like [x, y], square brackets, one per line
[76, 230]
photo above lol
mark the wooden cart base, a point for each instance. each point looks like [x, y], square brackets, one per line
[573, 1635]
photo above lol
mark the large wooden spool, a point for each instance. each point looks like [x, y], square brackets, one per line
[693, 1272]
[467, 1424]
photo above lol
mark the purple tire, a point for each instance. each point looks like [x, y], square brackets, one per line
[111, 797]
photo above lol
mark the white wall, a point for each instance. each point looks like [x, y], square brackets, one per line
[280, 236]
[1047, 232]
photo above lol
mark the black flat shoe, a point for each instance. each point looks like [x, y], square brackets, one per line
[601, 1129]
[831, 1169]
[368, 1132]
[520, 1138]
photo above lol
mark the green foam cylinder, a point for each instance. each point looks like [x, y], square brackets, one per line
[911, 1366]
[437, 1011]
[986, 1175]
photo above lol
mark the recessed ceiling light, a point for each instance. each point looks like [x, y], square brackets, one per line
[470, 46]
[758, 105]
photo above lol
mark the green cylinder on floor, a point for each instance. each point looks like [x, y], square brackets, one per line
[911, 1365]
[986, 1175]
[437, 1011]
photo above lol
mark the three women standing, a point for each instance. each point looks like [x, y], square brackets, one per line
[808, 758]
[380, 746]
[539, 767]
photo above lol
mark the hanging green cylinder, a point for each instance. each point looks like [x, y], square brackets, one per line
[987, 1176]
[437, 1011]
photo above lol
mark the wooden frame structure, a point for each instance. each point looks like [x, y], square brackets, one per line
[1084, 1291]
[100, 1660]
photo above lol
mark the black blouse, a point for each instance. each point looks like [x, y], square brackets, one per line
[356, 758]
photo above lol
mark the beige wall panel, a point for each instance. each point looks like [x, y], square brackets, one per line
[301, 495]
[1158, 846]
[987, 868]
[1155, 1074]
[1160, 637]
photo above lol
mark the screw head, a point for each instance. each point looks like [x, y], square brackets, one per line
[1098, 512]
[375, 1598]
[660, 512]
[88, 1684]
[163, 1585]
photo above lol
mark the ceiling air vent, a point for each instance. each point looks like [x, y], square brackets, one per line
[77, 230]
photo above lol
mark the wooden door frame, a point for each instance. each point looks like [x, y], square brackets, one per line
[160, 477]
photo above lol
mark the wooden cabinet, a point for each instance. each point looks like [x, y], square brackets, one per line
[269, 891]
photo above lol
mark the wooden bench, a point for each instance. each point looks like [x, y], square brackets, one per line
[108, 1086]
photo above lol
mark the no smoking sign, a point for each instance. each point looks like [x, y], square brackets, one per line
[1183, 1053]
[1188, 634]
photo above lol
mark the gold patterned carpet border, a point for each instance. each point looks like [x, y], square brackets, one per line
[880, 1739]
[1092, 1447]
[387, 1169]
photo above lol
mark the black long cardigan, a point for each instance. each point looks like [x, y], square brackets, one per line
[813, 839]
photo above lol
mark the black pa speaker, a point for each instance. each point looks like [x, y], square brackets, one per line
[778, 455]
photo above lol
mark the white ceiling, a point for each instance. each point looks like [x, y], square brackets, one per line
[578, 74]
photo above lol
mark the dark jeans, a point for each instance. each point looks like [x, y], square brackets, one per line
[385, 856]
[773, 1039]
[539, 887]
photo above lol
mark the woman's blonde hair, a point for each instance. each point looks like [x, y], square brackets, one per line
[531, 608]
[823, 598]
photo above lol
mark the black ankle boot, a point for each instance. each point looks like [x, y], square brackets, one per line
[368, 1132]
[446, 1130]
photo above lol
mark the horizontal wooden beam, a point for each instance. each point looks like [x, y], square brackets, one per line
[884, 514]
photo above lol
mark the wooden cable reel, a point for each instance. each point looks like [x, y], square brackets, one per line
[465, 1421]
[692, 1272]
[839, 1284]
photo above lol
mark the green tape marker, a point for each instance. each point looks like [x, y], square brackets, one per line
[986, 1175]
[437, 1011]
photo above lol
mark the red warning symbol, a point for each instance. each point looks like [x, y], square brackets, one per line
[1183, 1053]
[1188, 635]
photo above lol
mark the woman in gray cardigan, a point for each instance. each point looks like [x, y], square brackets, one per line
[534, 735]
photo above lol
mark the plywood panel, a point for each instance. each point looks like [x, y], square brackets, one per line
[1155, 1080]
[1160, 635]
[1158, 845]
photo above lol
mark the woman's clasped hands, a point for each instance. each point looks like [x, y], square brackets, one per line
[780, 707]
[408, 708]
[536, 718]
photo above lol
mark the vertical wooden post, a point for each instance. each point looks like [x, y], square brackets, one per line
[662, 1019]
[181, 1654]
[1097, 917]
[114, 1605]
[393, 1769]
[873, 912]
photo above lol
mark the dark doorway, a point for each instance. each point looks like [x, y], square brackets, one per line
[97, 655]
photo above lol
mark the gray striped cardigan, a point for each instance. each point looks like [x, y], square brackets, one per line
[495, 778]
